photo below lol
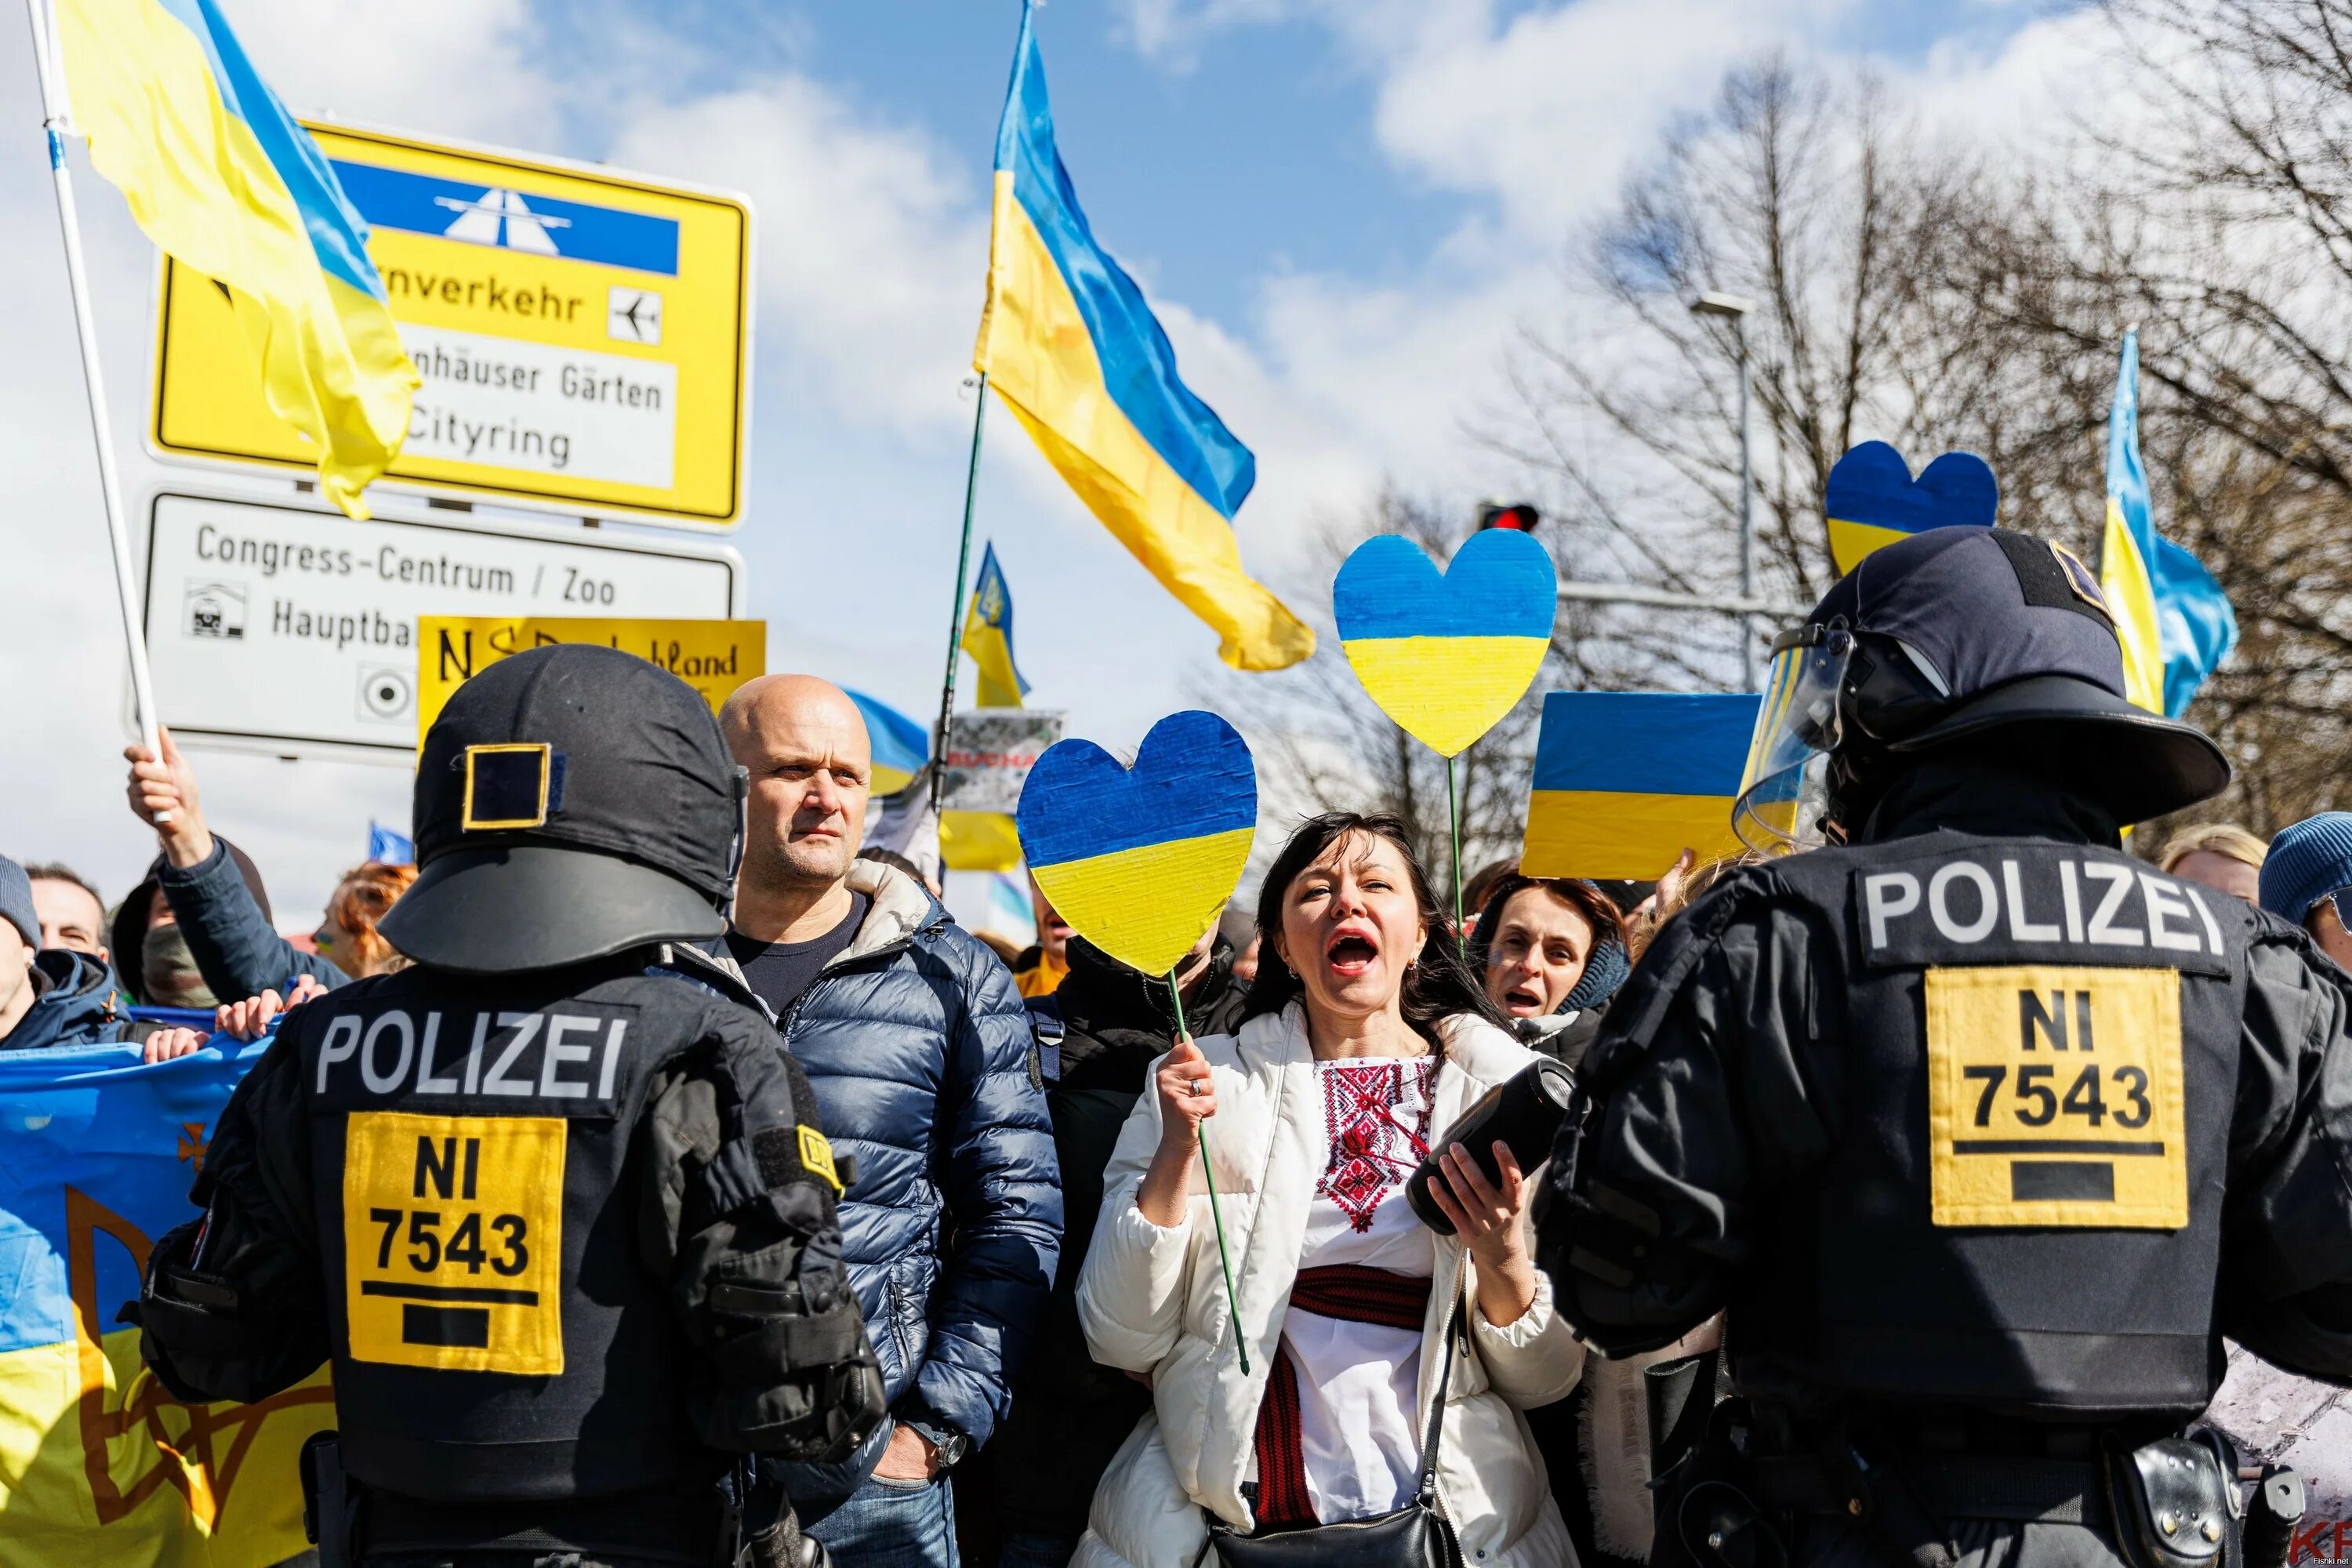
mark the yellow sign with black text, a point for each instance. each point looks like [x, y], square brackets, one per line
[712, 656]
[2054, 1098]
[584, 335]
[453, 1241]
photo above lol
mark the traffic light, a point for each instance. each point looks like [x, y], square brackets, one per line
[1518, 514]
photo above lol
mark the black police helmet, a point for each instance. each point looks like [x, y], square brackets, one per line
[1960, 632]
[571, 802]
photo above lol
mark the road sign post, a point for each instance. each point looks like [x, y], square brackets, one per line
[584, 335]
[291, 630]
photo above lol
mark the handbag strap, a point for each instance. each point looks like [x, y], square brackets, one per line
[1427, 1493]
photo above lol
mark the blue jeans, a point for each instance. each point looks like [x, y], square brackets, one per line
[1029, 1549]
[893, 1524]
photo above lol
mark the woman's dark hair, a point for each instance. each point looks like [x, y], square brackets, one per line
[1438, 984]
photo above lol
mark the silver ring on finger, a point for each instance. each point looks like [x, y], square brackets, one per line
[1197, 1087]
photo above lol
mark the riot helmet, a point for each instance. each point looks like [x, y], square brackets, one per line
[1942, 637]
[570, 801]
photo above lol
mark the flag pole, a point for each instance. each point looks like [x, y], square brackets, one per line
[955, 616]
[109, 486]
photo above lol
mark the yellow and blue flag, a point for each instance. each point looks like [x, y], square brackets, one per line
[2174, 621]
[97, 1463]
[900, 745]
[1143, 861]
[219, 176]
[1626, 781]
[968, 840]
[1071, 347]
[988, 637]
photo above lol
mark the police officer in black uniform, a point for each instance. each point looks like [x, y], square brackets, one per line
[1984, 1133]
[554, 1201]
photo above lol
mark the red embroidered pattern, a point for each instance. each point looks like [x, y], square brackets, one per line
[1371, 1150]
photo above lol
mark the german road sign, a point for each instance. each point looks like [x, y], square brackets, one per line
[292, 629]
[584, 336]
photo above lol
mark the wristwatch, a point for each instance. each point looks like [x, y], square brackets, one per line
[952, 1444]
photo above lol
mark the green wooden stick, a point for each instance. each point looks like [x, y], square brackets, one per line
[1225, 1260]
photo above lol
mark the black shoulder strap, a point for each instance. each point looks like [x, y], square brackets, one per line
[1437, 1432]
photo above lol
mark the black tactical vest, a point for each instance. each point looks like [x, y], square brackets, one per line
[496, 1335]
[2027, 1053]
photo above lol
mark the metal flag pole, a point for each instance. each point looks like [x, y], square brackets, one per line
[143, 685]
[956, 612]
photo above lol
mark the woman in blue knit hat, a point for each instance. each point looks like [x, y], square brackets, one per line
[2308, 868]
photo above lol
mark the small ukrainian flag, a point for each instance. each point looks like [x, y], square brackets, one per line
[988, 638]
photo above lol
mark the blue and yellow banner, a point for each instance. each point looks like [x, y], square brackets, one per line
[900, 745]
[1626, 781]
[2173, 619]
[988, 638]
[97, 1463]
[220, 176]
[1071, 347]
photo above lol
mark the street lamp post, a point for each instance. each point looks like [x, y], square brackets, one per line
[1733, 309]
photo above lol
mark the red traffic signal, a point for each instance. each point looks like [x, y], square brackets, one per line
[1520, 515]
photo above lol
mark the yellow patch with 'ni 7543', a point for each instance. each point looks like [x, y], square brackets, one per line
[453, 1241]
[2054, 1098]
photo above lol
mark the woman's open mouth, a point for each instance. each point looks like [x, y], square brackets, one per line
[1523, 1001]
[1353, 952]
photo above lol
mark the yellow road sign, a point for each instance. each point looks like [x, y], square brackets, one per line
[584, 335]
[712, 656]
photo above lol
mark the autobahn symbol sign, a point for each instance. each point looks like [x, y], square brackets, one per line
[584, 335]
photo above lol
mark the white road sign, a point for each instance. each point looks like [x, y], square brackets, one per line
[291, 630]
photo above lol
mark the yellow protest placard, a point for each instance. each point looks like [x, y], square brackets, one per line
[712, 656]
[583, 334]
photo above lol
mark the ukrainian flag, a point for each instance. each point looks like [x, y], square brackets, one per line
[1626, 781]
[1069, 344]
[221, 177]
[968, 840]
[98, 1464]
[988, 637]
[1446, 657]
[1140, 861]
[2174, 621]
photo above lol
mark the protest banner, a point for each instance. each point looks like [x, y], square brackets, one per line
[97, 1463]
[989, 755]
[712, 656]
[584, 335]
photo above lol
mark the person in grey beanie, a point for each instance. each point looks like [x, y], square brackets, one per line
[2309, 864]
[57, 997]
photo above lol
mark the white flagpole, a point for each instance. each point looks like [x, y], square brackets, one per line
[143, 685]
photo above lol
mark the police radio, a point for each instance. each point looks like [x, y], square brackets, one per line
[1523, 1113]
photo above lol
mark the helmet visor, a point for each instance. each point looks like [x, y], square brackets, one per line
[1782, 791]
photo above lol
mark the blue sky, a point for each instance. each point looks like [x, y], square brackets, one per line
[1343, 210]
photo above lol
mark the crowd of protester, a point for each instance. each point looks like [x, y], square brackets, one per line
[1026, 1223]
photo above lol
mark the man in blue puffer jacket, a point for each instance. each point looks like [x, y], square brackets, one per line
[920, 1053]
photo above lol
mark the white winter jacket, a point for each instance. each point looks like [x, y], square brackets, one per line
[1153, 1300]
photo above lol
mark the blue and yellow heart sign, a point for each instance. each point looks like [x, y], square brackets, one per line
[1872, 499]
[1141, 860]
[1446, 655]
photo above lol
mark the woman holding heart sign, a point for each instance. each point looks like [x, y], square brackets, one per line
[1364, 1038]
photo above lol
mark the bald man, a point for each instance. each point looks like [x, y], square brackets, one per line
[920, 1051]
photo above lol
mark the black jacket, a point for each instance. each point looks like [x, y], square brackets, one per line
[1069, 1415]
[1728, 1093]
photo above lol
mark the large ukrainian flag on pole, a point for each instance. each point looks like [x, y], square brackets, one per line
[220, 175]
[98, 1465]
[2174, 621]
[1068, 343]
